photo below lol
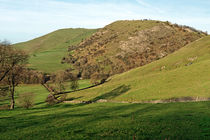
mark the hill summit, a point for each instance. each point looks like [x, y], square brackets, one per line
[124, 45]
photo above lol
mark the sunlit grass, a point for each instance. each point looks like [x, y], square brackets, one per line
[108, 121]
[46, 52]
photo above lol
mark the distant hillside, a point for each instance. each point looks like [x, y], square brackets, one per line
[124, 45]
[183, 74]
[47, 51]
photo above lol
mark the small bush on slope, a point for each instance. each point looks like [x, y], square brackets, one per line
[26, 100]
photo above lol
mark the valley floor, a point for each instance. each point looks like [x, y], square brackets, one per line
[108, 121]
[104, 120]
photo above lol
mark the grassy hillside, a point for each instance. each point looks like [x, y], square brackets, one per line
[181, 74]
[185, 73]
[104, 120]
[124, 45]
[47, 51]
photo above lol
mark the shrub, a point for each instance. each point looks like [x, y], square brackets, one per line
[74, 85]
[26, 100]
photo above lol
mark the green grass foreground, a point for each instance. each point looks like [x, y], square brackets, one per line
[104, 120]
[108, 121]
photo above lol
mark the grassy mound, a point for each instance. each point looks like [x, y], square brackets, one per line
[184, 73]
[47, 51]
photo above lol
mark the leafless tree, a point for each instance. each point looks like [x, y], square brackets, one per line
[12, 63]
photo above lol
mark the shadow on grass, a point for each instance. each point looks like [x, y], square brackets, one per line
[105, 121]
[40, 103]
[73, 98]
[114, 93]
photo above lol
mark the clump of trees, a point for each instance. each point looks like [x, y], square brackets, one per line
[57, 87]
[60, 77]
[32, 76]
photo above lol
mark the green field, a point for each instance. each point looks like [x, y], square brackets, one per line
[46, 52]
[185, 73]
[40, 92]
[104, 120]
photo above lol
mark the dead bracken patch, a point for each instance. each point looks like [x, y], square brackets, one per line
[124, 45]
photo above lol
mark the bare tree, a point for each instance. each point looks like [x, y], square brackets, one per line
[5, 55]
[74, 82]
[57, 89]
[59, 80]
[13, 79]
[12, 64]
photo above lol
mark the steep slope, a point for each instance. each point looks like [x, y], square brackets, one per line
[47, 51]
[124, 45]
[183, 74]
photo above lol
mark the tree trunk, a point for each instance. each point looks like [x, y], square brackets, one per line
[12, 104]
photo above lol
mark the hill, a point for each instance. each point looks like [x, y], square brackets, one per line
[47, 51]
[184, 74]
[124, 45]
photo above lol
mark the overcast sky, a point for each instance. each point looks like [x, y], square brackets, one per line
[22, 20]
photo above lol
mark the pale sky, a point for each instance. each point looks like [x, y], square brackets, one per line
[22, 20]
